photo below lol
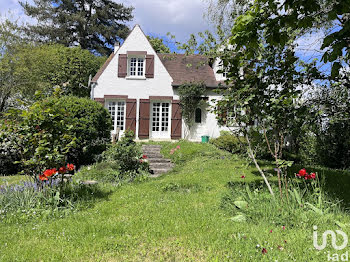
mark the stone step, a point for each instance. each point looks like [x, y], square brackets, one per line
[151, 152]
[151, 147]
[157, 171]
[159, 160]
[160, 165]
[153, 155]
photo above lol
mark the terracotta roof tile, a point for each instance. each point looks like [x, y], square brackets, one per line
[188, 68]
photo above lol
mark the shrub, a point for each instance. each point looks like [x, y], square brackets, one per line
[9, 153]
[128, 155]
[91, 125]
[58, 130]
[228, 142]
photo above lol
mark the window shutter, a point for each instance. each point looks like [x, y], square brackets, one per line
[101, 101]
[149, 66]
[144, 118]
[176, 120]
[122, 65]
[130, 123]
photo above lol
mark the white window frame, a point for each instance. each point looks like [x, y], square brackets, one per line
[136, 76]
[116, 101]
[163, 134]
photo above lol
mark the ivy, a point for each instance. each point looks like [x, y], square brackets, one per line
[191, 97]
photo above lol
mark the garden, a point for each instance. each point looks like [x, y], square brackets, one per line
[272, 187]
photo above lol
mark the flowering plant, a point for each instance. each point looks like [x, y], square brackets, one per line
[303, 174]
[52, 173]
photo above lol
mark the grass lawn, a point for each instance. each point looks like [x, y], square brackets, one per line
[9, 180]
[176, 217]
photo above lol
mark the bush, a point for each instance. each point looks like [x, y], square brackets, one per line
[228, 142]
[9, 153]
[91, 125]
[58, 130]
[128, 155]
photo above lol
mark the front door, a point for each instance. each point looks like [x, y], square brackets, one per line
[117, 111]
[160, 113]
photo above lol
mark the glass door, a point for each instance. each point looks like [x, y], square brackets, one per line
[160, 113]
[117, 111]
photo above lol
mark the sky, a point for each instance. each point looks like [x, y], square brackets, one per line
[156, 17]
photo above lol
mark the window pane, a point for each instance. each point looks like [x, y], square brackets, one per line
[198, 115]
[111, 109]
[140, 65]
[133, 65]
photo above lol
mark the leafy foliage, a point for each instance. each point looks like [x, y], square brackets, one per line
[127, 155]
[93, 25]
[191, 97]
[56, 130]
[229, 142]
[158, 45]
[25, 70]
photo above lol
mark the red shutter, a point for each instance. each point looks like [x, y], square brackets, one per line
[144, 118]
[131, 115]
[122, 65]
[101, 101]
[149, 66]
[176, 120]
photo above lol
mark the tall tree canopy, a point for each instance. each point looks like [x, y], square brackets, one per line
[92, 24]
[27, 69]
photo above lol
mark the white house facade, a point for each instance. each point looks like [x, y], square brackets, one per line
[139, 88]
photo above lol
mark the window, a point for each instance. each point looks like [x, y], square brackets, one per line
[117, 111]
[160, 117]
[137, 66]
[198, 115]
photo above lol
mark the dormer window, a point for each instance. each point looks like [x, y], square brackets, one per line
[136, 66]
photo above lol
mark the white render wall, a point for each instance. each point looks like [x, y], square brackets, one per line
[209, 125]
[109, 84]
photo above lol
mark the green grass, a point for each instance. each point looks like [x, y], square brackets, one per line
[9, 180]
[176, 217]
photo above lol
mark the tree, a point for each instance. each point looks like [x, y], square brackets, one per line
[222, 13]
[28, 69]
[93, 25]
[264, 86]
[158, 45]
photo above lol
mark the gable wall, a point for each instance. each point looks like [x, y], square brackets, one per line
[110, 84]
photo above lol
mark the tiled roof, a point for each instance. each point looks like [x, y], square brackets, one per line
[182, 68]
[188, 68]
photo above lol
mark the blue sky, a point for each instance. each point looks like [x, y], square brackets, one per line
[156, 17]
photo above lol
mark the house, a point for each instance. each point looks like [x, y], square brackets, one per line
[139, 88]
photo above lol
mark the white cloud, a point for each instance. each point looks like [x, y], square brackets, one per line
[156, 17]
[179, 17]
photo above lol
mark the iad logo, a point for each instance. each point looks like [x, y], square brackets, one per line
[335, 256]
[334, 239]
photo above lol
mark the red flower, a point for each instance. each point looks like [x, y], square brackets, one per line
[271, 231]
[302, 172]
[264, 251]
[312, 175]
[62, 170]
[49, 172]
[144, 156]
[243, 177]
[70, 167]
[283, 227]
[178, 147]
[42, 177]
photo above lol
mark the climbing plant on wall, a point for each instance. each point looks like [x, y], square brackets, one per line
[191, 97]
